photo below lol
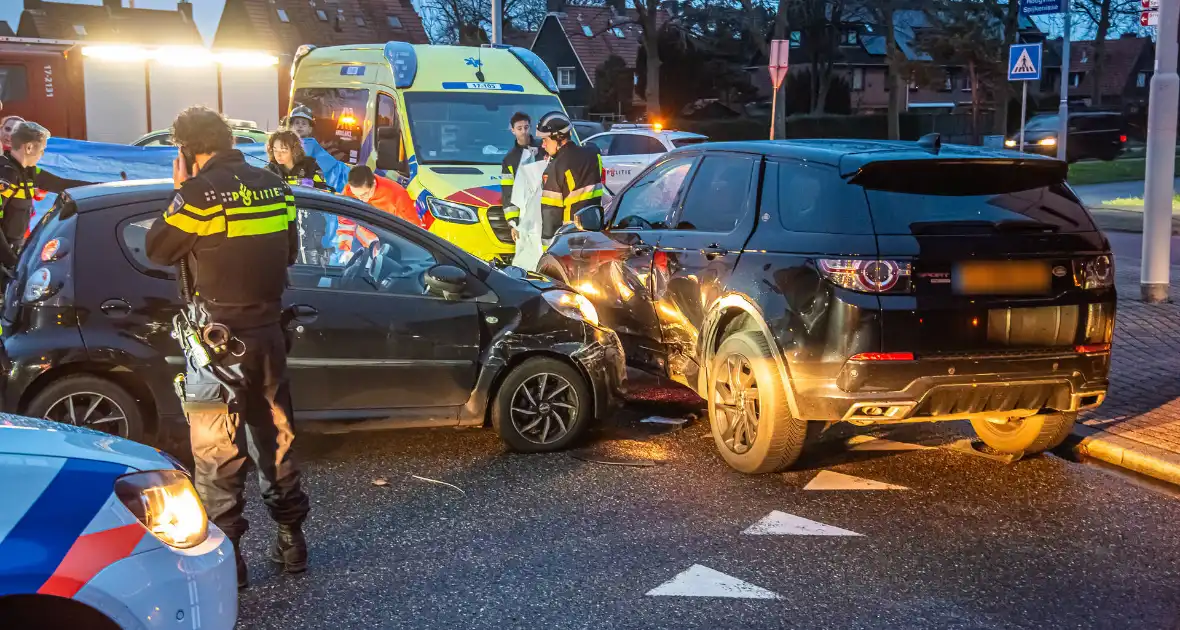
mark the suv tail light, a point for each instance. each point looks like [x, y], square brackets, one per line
[1123, 139]
[1094, 273]
[867, 276]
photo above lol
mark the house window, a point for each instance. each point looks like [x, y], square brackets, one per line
[1085, 56]
[321, 15]
[566, 78]
[618, 32]
[394, 21]
[796, 38]
[1075, 78]
[948, 82]
[850, 38]
[965, 83]
[283, 16]
[79, 29]
[1141, 80]
[586, 30]
[858, 79]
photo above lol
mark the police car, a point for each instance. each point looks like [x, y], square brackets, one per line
[627, 149]
[103, 533]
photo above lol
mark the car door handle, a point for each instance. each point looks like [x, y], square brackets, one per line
[115, 308]
[714, 251]
[641, 250]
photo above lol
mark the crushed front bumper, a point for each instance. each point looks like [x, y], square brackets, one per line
[956, 387]
[602, 360]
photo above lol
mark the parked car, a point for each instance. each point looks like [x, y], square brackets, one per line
[244, 131]
[105, 534]
[1097, 135]
[628, 148]
[407, 331]
[859, 281]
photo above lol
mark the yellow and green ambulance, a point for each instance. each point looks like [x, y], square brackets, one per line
[433, 118]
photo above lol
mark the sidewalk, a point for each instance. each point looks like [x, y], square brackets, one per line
[1138, 427]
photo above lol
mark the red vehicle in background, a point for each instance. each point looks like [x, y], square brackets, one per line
[36, 84]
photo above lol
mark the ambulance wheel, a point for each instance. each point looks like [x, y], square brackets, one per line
[92, 402]
[543, 405]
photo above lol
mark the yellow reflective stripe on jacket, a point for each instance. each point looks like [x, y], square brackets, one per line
[317, 178]
[202, 212]
[569, 179]
[257, 227]
[200, 227]
[257, 209]
[511, 214]
[551, 198]
[584, 193]
[507, 180]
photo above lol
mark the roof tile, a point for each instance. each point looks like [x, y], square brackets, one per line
[604, 26]
[60, 20]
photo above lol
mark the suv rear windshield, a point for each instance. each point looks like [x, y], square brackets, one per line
[952, 198]
[339, 118]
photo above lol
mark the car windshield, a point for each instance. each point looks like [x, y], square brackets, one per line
[684, 142]
[1042, 123]
[339, 118]
[469, 127]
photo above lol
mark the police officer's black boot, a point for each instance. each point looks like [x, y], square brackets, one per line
[290, 549]
[243, 578]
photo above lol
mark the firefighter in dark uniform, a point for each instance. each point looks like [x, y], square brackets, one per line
[20, 179]
[524, 151]
[573, 179]
[231, 229]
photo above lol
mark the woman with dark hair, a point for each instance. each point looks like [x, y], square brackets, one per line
[288, 161]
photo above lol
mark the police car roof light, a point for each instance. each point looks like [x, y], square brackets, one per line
[404, 62]
[536, 66]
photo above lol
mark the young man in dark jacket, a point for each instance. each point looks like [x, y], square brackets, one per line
[524, 151]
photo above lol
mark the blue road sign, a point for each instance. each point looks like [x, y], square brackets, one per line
[1043, 7]
[1024, 62]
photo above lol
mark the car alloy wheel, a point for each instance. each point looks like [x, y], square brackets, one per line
[544, 408]
[737, 404]
[90, 410]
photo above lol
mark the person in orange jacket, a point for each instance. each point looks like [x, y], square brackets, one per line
[382, 193]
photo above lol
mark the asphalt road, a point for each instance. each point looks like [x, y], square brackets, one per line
[551, 541]
[1128, 248]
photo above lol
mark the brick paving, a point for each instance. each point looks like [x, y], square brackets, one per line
[1144, 399]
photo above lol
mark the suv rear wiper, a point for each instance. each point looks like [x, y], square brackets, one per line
[976, 226]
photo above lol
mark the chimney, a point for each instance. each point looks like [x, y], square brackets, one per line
[555, 6]
[186, 9]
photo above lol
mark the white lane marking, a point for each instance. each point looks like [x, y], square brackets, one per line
[701, 581]
[782, 524]
[870, 443]
[828, 480]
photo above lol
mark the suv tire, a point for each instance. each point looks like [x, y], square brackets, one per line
[778, 437]
[1030, 435]
[566, 402]
[90, 386]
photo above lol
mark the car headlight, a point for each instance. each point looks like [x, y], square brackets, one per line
[450, 211]
[39, 286]
[167, 505]
[1048, 142]
[1009, 143]
[572, 305]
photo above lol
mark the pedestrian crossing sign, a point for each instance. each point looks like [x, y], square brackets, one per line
[1024, 62]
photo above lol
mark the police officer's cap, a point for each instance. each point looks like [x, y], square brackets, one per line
[303, 111]
[556, 125]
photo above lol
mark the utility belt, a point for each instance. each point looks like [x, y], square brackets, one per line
[212, 380]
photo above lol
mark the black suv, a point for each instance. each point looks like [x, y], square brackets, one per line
[860, 281]
[1097, 135]
[389, 325]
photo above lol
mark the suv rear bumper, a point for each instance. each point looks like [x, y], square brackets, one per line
[955, 388]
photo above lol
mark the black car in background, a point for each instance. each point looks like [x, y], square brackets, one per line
[409, 331]
[859, 281]
[1092, 135]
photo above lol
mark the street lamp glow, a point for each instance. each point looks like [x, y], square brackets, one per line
[116, 53]
[1048, 142]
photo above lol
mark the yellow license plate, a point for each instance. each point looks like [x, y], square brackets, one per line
[1025, 277]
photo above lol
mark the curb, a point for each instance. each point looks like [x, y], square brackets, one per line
[1122, 220]
[1126, 453]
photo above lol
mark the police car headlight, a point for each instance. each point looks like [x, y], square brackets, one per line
[450, 211]
[167, 505]
[572, 305]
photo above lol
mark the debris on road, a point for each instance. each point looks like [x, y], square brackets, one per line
[381, 482]
[608, 461]
[675, 422]
[441, 483]
[977, 448]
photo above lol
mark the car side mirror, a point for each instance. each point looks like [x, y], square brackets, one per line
[389, 151]
[591, 219]
[446, 281]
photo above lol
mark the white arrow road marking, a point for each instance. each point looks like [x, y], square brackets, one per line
[782, 524]
[870, 443]
[701, 581]
[828, 480]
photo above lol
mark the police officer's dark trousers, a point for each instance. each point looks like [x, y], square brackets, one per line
[259, 423]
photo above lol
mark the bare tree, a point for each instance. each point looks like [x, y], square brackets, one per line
[647, 12]
[468, 22]
[967, 33]
[821, 26]
[1104, 16]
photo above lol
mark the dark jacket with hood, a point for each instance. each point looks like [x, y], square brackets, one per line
[306, 173]
[18, 186]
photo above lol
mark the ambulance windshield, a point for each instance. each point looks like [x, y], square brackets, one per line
[469, 127]
[339, 118]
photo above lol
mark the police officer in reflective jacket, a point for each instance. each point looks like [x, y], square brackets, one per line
[573, 179]
[231, 229]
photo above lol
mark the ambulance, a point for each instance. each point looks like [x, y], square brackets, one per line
[433, 118]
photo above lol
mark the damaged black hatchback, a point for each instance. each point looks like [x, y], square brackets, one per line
[389, 326]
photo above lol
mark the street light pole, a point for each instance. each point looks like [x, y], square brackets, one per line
[497, 21]
[1161, 159]
[1063, 105]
